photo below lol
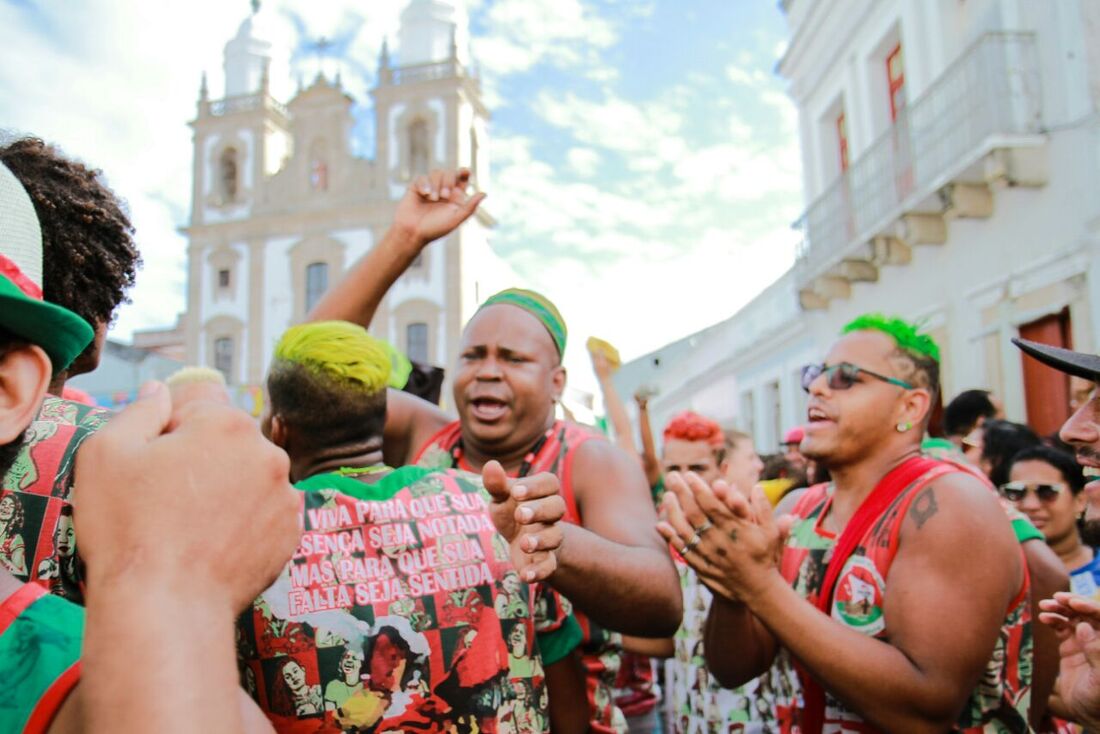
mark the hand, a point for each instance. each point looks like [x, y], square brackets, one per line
[642, 399]
[741, 543]
[1075, 620]
[435, 205]
[205, 509]
[527, 512]
[601, 366]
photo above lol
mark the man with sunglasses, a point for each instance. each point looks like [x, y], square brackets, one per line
[1076, 618]
[912, 560]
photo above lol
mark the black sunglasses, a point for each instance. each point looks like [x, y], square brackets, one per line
[1017, 491]
[842, 376]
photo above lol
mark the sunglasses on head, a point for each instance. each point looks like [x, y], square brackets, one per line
[842, 376]
[1017, 491]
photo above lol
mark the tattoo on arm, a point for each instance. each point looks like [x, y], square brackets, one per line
[924, 507]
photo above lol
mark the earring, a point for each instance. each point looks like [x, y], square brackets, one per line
[903, 427]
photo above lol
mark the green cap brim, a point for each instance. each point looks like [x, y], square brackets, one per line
[60, 332]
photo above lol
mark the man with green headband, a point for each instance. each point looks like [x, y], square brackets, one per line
[509, 376]
[154, 551]
[926, 623]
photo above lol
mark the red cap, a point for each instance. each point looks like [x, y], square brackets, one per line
[794, 435]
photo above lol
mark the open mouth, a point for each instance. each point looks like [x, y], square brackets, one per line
[817, 417]
[488, 410]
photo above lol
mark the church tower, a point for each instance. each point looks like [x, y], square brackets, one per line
[429, 114]
[239, 140]
[281, 205]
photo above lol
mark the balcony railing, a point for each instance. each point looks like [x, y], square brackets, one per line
[246, 103]
[423, 72]
[986, 97]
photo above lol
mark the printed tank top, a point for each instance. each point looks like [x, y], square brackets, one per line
[999, 703]
[399, 611]
[40, 638]
[554, 453]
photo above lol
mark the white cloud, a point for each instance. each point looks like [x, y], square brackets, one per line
[584, 161]
[522, 33]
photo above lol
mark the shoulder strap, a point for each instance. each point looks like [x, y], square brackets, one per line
[882, 496]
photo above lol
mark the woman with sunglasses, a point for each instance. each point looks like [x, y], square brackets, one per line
[1045, 483]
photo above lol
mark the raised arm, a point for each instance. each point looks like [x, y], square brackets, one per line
[616, 410]
[650, 463]
[616, 564]
[433, 207]
[174, 549]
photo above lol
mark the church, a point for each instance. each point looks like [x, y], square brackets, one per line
[281, 205]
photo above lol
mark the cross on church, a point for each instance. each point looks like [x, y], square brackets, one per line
[321, 47]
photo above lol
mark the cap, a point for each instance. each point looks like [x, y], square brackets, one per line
[795, 435]
[23, 312]
[1074, 363]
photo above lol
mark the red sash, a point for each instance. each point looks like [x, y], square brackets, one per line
[889, 488]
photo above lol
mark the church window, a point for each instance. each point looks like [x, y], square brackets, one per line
[223, 356]
[318, 167]
[419, 152]
[316, 283]
[227, 170]
[223, 278]
[416, 342]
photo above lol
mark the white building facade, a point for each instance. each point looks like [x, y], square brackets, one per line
[951, 163]
[281, 205]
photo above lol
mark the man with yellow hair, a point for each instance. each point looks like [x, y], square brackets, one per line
[507, 382]
[389, 604]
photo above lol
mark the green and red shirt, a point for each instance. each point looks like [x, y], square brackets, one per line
[554, 453]
[37, 542]
[40, 640]
[401, 611]
[999, 703]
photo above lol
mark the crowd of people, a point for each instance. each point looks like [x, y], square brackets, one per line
[362, 561]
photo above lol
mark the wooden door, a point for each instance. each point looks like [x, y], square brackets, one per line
[1046, 390]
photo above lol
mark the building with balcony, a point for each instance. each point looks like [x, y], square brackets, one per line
[281, 203]
[951, 159]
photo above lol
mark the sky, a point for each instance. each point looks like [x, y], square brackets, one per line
[644, 154]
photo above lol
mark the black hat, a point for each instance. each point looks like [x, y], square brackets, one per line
[1078, 364]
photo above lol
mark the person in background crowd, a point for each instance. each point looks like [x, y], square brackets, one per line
[1045, 484]
[89, 259]
[694, 443]
[423, 534]
[792, 439]
[506, 386]
[1076, 618]
[967, 411]
[1001, 441]
[153, 549]
[930, 528]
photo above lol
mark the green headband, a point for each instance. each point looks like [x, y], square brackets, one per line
[538, 306]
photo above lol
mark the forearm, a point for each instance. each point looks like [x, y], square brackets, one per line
[649, 449]
[611, 582]
[872, 677]
[151, 653]
[357, 296]
[651, 647]
[616, 413]
[736, 646]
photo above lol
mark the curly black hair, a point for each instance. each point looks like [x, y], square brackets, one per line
[89, 258]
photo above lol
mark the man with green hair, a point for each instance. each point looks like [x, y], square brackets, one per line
[507, 383]
[913, 561]
[399, 569]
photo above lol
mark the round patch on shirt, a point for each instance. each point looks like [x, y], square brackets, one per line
[857, 601]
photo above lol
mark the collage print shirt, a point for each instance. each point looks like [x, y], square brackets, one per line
[602, 649]
[698, 704]
[1001, 699]
[37, 543]
[399, 612]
